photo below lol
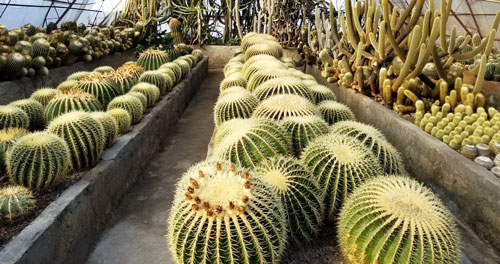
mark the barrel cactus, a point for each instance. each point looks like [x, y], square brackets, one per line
[322, 93]
[124, 79]
[266, 47]
[84, 135]
[235, 79]
[12, 116]
[185, 68]
[198, 54]
[170, 77]
[157, 79]
[15, 201]
[104, 89]
[395, 219]
[102, 69]
[304, 129]
[129, 103]
[14, 65]
[300, 195]
[33, 109]
[8, 136]
[141, 97]
[253, 38]
[388, 156]
[152, 59]
[151, 92]
[131, 68]
[122, 118]
[44, 95]
[334, 112]
[283, 85]
[38, 160]
[109, 124]
[339, 164]
[72, 100]
[224, 213]
[236, 103]
[175, 68]
[67, 85]
[285, 105]
[253, 141]
[260, 76]
[78, 75]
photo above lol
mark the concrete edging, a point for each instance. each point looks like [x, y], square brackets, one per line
[472, 191]
[67, 230]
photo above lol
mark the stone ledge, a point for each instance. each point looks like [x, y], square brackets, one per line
[67, 230]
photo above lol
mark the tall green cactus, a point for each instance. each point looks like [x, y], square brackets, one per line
[176, 30]
[122, 118]
[282, 85]
[339, 164]
[85, 136]
[300, 195]
[12, 116]
[304, 129]
[109, 124]
[334, 112]
[157, 79]
[129, 103]
[152, 59]
[151, 92]
[38, 160]
[104, 89]
[235, 103]
[33, 109]
[44, 95]
[281, 106]
[225, 213]
[15, 201]
[72, 100]
[395, 219]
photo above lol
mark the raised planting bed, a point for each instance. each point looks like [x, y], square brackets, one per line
[22, 88]
[66, 231]
[470, 191]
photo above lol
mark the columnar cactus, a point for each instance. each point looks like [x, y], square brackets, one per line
[236, 103]
[33, 109]
[122, 118]
[300, 195]
[224, 213]
[304, 129]
[235, 79]
[282, 85]
[151, 92]
[15, 201]
[152, 59]
[72, 100]
[109, 124]
[176, 30]
[38, 160]
[156, 78]
[285, 105]
[44, 95]
[253, 141]
[129, 103]
[12, 116]
[339, 164]
[84, 135]
[395, 219]
[104, 89]
[388, 156]
[334, 112]
[260, 76]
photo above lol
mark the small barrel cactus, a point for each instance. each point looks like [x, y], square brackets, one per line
[260, 76]
[265, 47]
[300, 195]
[12, 116]
[253, 141]
[141, 97]
[104, 89]
[242, 218]
[44, 95]
[152, 59]
[122, 118]
[185, 68]
[283, 85]
[72, 100]
[15, 201]
[388, 156]
[84, 135]
[236, 103]
[157, 79]
[38, 160]
[322, 93]
[110, 126]
[170, 77]
[131, 68]
[129, 103]
[125, 79]
[235, 79]
[78, 75]
[304, 129]
[285, 105]
[339, 164]
[33, 109]
[253, 38]
[8, 137]
[67, 85]
[175, 68]
[151, 92]
[198, 54]
[395, 219]
[334, 112]
[102, 69]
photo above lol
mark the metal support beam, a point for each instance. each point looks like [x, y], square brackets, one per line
[461, 23]
[474, 18]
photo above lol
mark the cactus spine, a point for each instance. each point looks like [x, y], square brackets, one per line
[285, 105]
[302, 130]
[152, 59]
[109, 124]
[15, 201]
[44, 95]
[236, 103]
[129, 103]
[12, 116]
[122, 118]
[334, 112]
[33, 109]
[72, 100]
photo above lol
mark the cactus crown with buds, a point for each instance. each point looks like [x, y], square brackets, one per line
[71, 100]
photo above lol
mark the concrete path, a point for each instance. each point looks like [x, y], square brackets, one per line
[137, 232]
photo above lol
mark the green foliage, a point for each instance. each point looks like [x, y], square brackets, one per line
[104, 89]
[33, 109]
[334, 112]
[122, 118]
[72, 100]
[44, 95]
[129, 103]
[15, 201]
[285, 105]
[304, 129]
[12, 116]
[236, 103]
[151, 92]
[109, 124]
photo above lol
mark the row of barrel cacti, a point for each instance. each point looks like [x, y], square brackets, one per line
[65, 130]
[30, 50]
[289, 158]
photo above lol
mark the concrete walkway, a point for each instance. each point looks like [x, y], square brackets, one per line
[137, 232]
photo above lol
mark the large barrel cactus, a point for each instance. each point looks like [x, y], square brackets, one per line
[152, 59]
[285, 105]
[388, 156]
[12, 116]
[300, 195]
[157, 79]
[253, 141]
[33, 109]
[236, 103]
[72, 100]
[395, 219]
[84, 135]
[151, 92]
[109, 124]
[122, 118]
[304, 129]
[265, 74]
[129, 103]
[104, 89]
[334, 112]
[8, 136]
[38, 160]
[339, 164]
[44, 95]
[15, 201]
[235, 79]
[282, 85]
[266, 47]
[125, 79]
[322, 93]
[225, 214]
